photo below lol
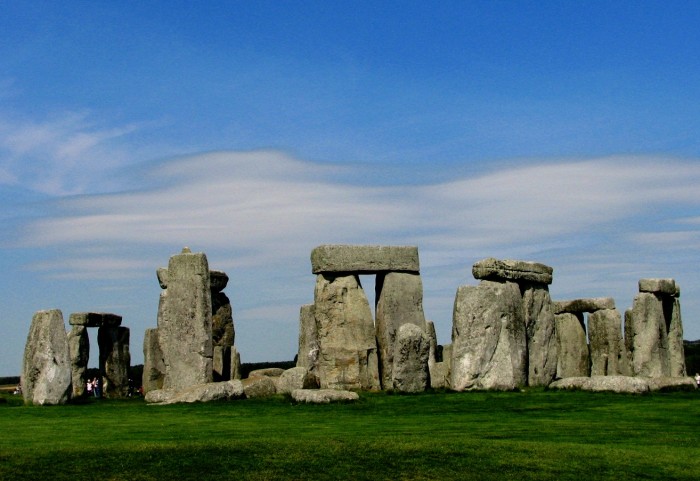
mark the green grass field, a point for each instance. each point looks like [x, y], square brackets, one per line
[535, 434]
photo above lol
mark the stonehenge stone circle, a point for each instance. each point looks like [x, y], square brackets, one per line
[46, 366]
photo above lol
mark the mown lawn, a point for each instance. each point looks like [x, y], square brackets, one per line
[535, 434]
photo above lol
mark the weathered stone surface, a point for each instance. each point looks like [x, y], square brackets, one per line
[223, 333]
[323, 396]
[79, 348]
[682, 383]
[347, 345]
[432, 339]
[153, 365]
[440, 375]
[115, 360]
[573, 356]
[235, 364]
[94, 319]
[411, 352]
[218, 281]
[488, 337]
[646, 336]
[185, 322]
[268, 372]
[619, 384]
[259, 386]
[399, 301]
[46, 366]
[542, 346]
[296, 378]
[607, 347]
[658, 286]
[512, 270]
[215, 391]
[359, 259]
[676, 351]
[307, 356]
[576, 306]
[221, 363]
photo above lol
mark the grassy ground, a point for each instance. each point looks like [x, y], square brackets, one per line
[530, 435]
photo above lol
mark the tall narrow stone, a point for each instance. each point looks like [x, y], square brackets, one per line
[46, 366]
[185, 322]
[223, 333]
[573, 359]
[115, 360]
[399, 301]
[307, 355]
[607, 348]
[675, 341]
[488, 337]
[648, 340]
[411, 352]
[153, 365]
[347, 346]
[79, 347]
[542, 346]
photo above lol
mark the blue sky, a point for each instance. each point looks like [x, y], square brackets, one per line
[560, 132]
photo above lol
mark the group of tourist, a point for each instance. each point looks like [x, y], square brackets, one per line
[94, 388]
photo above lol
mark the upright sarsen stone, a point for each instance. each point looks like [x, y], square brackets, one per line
[347, 346]
[185, 321]
[542, 345]
[607, 347]
[223, 333]
[573, 359]
[115, 360]
[79, 348]
[153, 364]
[646, 336]
[410, 371]
[46, 365]
[488, 337]
[399, 301]
[676, 351]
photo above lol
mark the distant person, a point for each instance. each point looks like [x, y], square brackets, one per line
[18, 390]
[697, 379]
[89, 387]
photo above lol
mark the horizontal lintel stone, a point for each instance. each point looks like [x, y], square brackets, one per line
[94, 319]
[576, 306]
[512, 270]
[659, 286]
[364, 259]
[217, 279]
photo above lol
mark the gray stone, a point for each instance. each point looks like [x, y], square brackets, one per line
[576, 306]
[115, 360]
[79, 348]
[235, 364]
[512, 270]
[296, 378]
[440, 376]
[223, 333]
[323, 396]
[259, 386]
[218, 281]
[399, 301]
[682, 383]
[542, 346]
[362, 259]
[267, 372]
[215, 391]
[220, 363]
[488, 337]
[411, 352]
[658, 286]
[646, 336]
[432, 339]
[46, 366]
[607, 347]
[185, 322]
[94, 319]
[618, 384]
[573, 356]
[347, 345]
[676, 351]
[153, 365]
[307, 356]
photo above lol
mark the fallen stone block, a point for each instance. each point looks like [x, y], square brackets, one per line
[259, 386]
[215, 391]
[672, 383]
[618, 384]
[323, 396]
[296, 378]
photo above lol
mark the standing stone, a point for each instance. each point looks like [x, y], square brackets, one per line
[399, 301]
[573, 359]
[223, 333]
[675, 341]
[647, 338]
[488, 337]
[432, 338]
[115, 360]
[236, 372]
[607, 348]
[411, 352]
[347, 346]
[307, 356]
[185, 322]
[79, 348]
[46, 366]
[542, 343]
[153, 364]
